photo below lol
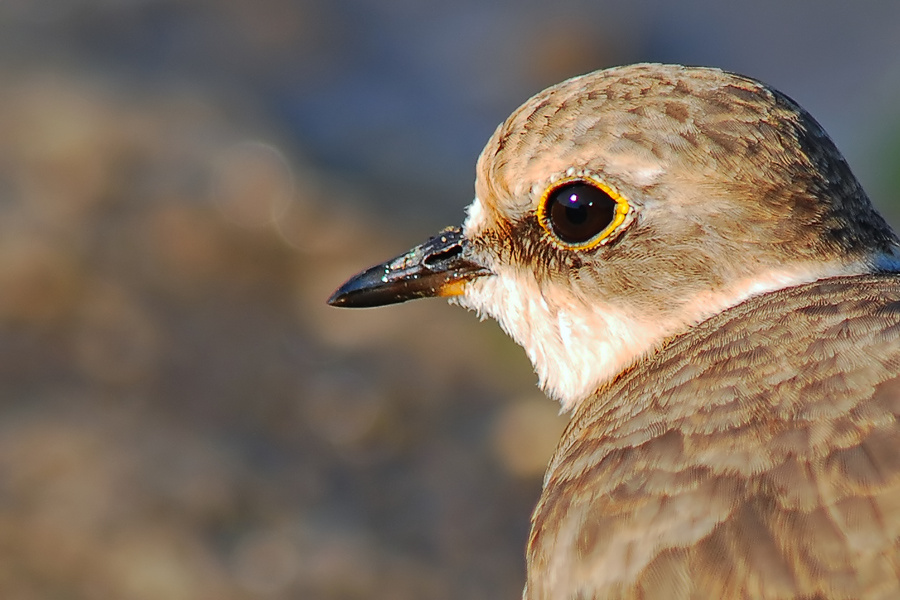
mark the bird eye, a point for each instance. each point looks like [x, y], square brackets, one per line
[580, 214]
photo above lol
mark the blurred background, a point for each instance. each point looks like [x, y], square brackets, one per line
[182, 185]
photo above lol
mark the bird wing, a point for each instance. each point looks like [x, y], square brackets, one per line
[756, 456]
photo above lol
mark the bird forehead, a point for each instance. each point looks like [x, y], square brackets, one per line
[629, 125]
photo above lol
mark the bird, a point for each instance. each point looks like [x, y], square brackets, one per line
[700, 280]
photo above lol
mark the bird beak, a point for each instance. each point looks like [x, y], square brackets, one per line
[439, 267]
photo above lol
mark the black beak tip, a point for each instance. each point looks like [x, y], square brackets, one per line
[369, 289]
[352, 293]
[337, 298]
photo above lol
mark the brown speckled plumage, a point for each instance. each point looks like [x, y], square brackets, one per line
[755, 456]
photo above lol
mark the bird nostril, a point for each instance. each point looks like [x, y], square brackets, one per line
[444, 255]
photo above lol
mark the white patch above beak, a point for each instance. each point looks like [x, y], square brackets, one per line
[476, 219]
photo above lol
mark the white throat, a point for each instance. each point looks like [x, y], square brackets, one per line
[573, 347]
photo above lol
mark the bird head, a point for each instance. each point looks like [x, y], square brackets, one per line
[617, 209]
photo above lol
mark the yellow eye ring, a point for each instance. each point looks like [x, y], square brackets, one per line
[581, 212]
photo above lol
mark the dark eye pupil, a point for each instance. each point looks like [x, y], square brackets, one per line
[579, 211]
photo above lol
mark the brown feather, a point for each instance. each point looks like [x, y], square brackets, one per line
[755, 456]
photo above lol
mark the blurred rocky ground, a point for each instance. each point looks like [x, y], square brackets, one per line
[183, 417]
[182, 185]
